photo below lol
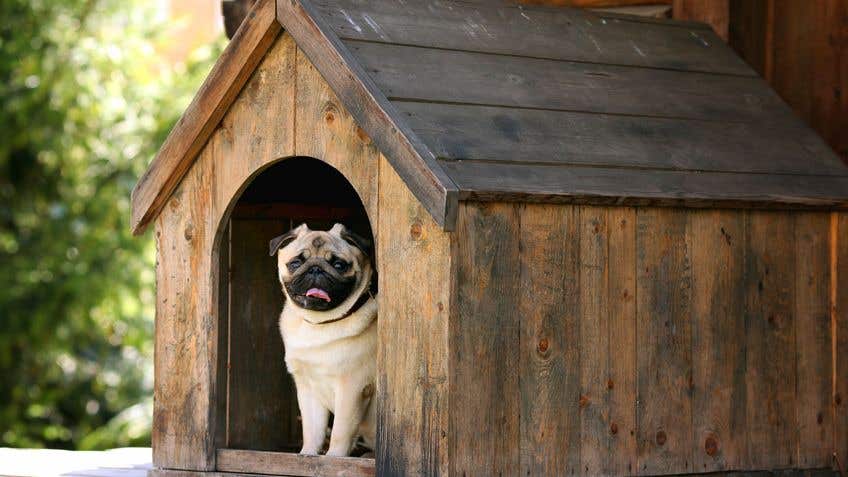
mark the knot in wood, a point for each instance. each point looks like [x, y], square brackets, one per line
[188, 233]
[416, 230]
[613, 428]
[661, 438]
[711, 446]
[543, 345]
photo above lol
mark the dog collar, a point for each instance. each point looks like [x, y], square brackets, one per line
[367, 295]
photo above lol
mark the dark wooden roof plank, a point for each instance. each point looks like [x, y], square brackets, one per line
[564, 34]
[428, 74]
[633, 187]
[487, 133]
[198, 122]
[410, 157]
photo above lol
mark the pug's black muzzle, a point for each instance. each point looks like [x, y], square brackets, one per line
[336, 287]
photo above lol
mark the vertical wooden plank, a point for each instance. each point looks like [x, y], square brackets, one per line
[717, 243]
[484, 341]
[326, 131]
[414, 260]
[186, 333]
[839, 297]
[549, 366]
[607, 335]
[770, 335]
[621, 287]
[256, 356]
[593, 339]
[813, 340]
[715, 13]
[664, 288]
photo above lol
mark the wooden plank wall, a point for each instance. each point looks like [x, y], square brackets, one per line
[191, 356]
[802, 50]
[612, 341]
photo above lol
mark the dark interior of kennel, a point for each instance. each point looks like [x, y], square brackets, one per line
[260, 410]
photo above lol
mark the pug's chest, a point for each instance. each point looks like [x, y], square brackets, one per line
[322, 360]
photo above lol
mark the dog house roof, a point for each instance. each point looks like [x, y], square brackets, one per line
[491, 101]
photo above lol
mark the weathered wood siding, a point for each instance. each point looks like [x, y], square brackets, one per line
[259, 129]
[612, 341]
[414, 262]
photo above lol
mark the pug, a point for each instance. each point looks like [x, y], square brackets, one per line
[329, 328]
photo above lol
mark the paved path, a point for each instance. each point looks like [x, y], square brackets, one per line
[126, 462]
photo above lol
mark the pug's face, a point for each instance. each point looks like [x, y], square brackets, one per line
[320, 269]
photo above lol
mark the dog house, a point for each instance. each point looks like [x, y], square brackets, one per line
[604, 246]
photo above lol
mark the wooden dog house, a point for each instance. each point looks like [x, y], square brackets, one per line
[604, 245]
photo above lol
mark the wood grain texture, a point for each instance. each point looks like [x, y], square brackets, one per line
[414, 260]
[770, 340]
[623, 352]
[184, 429]
[801, 52]
[488, 181]
[607, 265]
[550, 341]
[495, 134]
[664, 334]
[839, 298]
[717, 243]
[814, 361]
[426, 74]
[484, 342]
[198, 122]
[369, 107]
[255, 362]
[279, 463]
[563, 34]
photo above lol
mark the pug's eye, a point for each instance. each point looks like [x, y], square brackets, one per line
[340, 265]
[295, 264]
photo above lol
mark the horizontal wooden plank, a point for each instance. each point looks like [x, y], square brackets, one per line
[616, 186]
[281, 463]
[197, 123]
[557, 137]
[457, 76]
[764, 473]
[557, 33]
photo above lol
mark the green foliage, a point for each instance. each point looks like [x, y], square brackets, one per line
[86, 102]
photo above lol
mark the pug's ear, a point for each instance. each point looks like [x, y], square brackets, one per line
[277, 243]
[357, 241]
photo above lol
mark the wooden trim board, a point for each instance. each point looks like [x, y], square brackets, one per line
[283, 463]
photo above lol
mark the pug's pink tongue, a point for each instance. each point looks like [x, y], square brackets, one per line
[318, 293]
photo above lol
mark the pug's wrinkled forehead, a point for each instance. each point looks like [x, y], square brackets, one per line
[337, 241]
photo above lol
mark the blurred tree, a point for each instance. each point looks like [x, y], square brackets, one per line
[86, 102]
